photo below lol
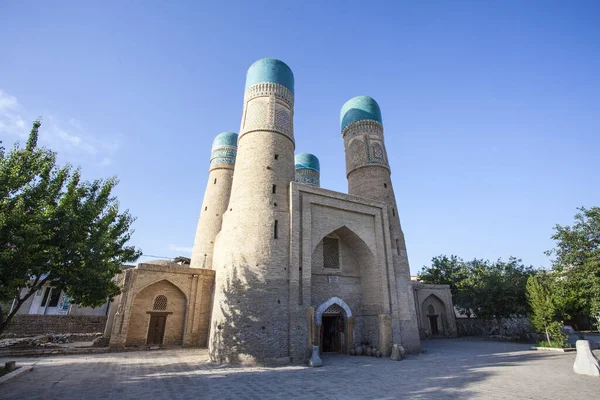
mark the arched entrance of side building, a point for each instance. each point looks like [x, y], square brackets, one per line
[435, 316]
[157, 316]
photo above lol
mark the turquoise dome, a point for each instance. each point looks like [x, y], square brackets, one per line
[307, 161]
[225, 139]
[270, 70]
[359, 108]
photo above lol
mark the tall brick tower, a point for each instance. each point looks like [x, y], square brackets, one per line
[368, 173]
[216, 198]
[250, 313]
[308, 169]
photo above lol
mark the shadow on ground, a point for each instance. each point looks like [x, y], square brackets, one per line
[446, 369]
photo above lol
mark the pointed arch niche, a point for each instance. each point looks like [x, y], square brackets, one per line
[157, 315]
[349, 289]
[433, 316]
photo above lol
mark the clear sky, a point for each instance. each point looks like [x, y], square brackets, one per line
[491, 109]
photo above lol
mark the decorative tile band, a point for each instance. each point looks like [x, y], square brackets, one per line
[308, 176]
[223, 157]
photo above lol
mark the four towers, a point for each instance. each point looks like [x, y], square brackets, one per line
[248, 191]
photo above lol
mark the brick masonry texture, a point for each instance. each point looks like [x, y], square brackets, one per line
[189, 295]
[368, 174]
[34, 324]
[448, 369]
[250, 319]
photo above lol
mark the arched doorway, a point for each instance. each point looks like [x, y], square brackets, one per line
[433, 320]
[335, 325]
[332, 330]
[157, 316]
[434, 316]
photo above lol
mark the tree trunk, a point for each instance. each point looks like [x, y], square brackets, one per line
[4, 322]
[547, 335]
[500, 327]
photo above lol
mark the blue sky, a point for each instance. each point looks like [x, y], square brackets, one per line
[491, 108]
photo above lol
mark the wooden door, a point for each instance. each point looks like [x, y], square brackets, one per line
[434, 324]
[156, 330]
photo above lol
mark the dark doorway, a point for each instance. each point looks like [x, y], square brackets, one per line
[333, 330]
[156, 330]
[434, 325]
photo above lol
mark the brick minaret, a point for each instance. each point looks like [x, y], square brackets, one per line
[368, 173]
[250, 313]
[216, 198]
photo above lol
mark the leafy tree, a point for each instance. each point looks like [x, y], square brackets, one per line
[450, 271]
[56, 228]
[539, 296]
[498, 288]
[577, 264]
[488, 290]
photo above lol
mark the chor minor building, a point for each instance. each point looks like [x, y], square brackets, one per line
[280, 264]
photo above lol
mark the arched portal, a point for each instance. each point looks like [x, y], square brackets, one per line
[157, 315]
[335, 326]
[434, 316]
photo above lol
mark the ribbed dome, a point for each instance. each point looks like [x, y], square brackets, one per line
[307, 161]
[360, 108]
[225, 139]
[270, 70]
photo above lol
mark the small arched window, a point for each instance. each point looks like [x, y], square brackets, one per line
[431, 309]
[160, 303]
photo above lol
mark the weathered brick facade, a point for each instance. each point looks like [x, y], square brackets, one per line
[189, 296]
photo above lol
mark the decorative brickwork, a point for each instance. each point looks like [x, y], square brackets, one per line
[364, 145]
[268, 107]
[331, 252]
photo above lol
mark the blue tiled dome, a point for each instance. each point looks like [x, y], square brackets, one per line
[307, 161]
[270, 70]
[359, 108]
[225, 139]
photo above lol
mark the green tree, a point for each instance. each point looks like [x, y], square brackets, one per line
[56, 228]
[539, 296]
[576, 261]
[498, 288]
[450, 271]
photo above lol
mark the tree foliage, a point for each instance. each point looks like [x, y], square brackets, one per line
[576, 264]
[56, 228]
[487, 289]
[543, 310]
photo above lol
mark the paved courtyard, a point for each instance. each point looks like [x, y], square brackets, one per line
[447, 369]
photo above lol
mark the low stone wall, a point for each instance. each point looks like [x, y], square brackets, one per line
[23, 324]
[520, 327]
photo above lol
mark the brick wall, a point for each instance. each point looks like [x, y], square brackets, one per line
[39, 324]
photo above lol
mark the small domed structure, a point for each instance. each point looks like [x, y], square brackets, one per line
[270, 70]
[224, 149]
[307, 169]
[360, 108]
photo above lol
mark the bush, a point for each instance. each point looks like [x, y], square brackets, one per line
[558, 339]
